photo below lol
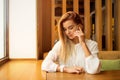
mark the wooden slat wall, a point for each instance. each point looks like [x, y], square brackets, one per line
[98, 22]
[64, 6]
[118, 9]
[108, 24]
[117, 23]
[87, 18]
[76, 6]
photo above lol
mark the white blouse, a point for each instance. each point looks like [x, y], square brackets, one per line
[90, 63]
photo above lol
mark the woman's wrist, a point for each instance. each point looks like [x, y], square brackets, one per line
[65, 69]
[62, 68]
[86, 50]
[83, 43]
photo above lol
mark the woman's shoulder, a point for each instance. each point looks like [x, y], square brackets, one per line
[57, 44]
[91, 42]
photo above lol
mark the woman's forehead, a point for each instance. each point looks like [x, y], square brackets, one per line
[68, 23]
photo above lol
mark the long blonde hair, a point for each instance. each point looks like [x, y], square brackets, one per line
[67, 47]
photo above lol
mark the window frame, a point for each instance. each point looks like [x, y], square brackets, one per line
[6, 33]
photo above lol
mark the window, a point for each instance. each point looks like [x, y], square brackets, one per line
[3, 28]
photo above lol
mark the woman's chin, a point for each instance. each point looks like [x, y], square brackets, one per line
[71, 37]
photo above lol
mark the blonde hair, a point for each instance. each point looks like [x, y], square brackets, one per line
[67, 47]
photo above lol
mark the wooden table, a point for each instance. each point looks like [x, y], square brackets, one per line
[104, 75]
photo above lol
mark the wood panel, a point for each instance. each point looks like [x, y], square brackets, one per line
[76, 6]
[87, 18]
[64, 6]
[109, 55]
[108, 24]
[98, 22]
[46, 26]
[39, 29]
[43, 27]
[117, 24]
[53, 22]
[118, 42]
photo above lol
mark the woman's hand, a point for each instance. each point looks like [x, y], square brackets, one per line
[79, 33]
[77, 70]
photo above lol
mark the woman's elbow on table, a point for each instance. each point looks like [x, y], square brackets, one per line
[43, 67]
[94, 70]
[49, 67]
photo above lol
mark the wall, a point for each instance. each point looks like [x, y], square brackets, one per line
[22, 29]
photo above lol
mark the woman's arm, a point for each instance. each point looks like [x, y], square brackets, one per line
[92, 62]
[81, 37]
[85, 49]
[92, 65]
[48, 63]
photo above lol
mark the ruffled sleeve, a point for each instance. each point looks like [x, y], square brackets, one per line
[92, 62]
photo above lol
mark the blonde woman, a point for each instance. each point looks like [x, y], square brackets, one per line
[72, 53]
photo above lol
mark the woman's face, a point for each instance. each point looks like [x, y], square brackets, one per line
[69, 28]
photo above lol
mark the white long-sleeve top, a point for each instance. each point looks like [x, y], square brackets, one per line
[90, 63]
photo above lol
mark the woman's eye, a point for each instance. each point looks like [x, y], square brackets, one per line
[71, 27]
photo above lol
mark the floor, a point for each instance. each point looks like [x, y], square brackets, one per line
[22, 70]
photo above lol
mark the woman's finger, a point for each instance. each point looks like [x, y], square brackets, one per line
[80, 30]
[79, 69]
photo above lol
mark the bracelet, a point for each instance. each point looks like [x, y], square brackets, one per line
[61, 68]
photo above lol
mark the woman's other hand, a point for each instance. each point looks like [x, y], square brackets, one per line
[73, 70]
[79, 33]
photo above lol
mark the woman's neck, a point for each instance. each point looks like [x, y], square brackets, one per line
[75, 40]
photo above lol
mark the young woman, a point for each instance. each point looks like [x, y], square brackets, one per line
[72, 53]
